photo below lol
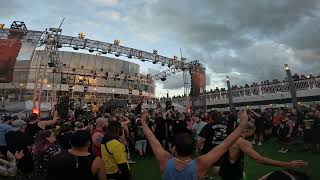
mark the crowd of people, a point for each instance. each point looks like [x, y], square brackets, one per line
[101, 144]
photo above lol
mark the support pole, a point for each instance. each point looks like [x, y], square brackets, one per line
[291, 86]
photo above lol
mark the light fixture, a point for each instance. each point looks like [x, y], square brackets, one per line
[94, 89]
[48, 86]
[308, 76]
[21, 84]
[286, 67]
[227, 78]
[113, 90]
[82, 35]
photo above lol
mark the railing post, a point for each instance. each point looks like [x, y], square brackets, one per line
[291, 86]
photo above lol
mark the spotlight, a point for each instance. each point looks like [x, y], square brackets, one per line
[51, 64]
[82, 35]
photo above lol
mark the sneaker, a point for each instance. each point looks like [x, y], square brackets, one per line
[253, 142]
[260, 143]
[131, 162]
[281, 150]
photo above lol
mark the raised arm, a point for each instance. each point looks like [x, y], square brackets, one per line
[161, 155]
[44, 124]
[205, 161]
[248, 150]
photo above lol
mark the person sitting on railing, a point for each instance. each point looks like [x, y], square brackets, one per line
[295, 77]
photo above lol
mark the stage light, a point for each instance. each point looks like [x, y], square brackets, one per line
[51, 64]
[82, 35]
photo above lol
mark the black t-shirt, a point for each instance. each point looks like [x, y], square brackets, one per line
[160, 130]
[18, 141]
[214, 134]
[67, 166]
[64, 140]
[178, 127]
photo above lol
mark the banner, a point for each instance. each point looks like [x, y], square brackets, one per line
[9, 50]
[198, 81]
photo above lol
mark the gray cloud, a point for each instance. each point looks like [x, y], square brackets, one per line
[250, 40]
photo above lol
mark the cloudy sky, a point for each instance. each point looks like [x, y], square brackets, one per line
[249, 40]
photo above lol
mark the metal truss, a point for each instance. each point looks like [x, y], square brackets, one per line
[189, 66]
[39, 37]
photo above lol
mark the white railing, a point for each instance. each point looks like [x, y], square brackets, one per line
[306, 87]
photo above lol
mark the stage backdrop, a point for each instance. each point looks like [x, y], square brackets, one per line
[10, 49]
[198, 81]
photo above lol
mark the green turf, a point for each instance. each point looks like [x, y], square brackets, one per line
[148, 169]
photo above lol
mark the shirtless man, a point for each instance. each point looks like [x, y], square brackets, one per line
[232, 165]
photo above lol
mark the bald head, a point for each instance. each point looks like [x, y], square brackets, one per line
[101, 122]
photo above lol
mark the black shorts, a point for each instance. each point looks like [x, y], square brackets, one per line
[284, 139]
[307, 137]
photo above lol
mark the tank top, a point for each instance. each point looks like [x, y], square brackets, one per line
[33, 129]
[232, 171]
[96, 149]
[187, 173]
